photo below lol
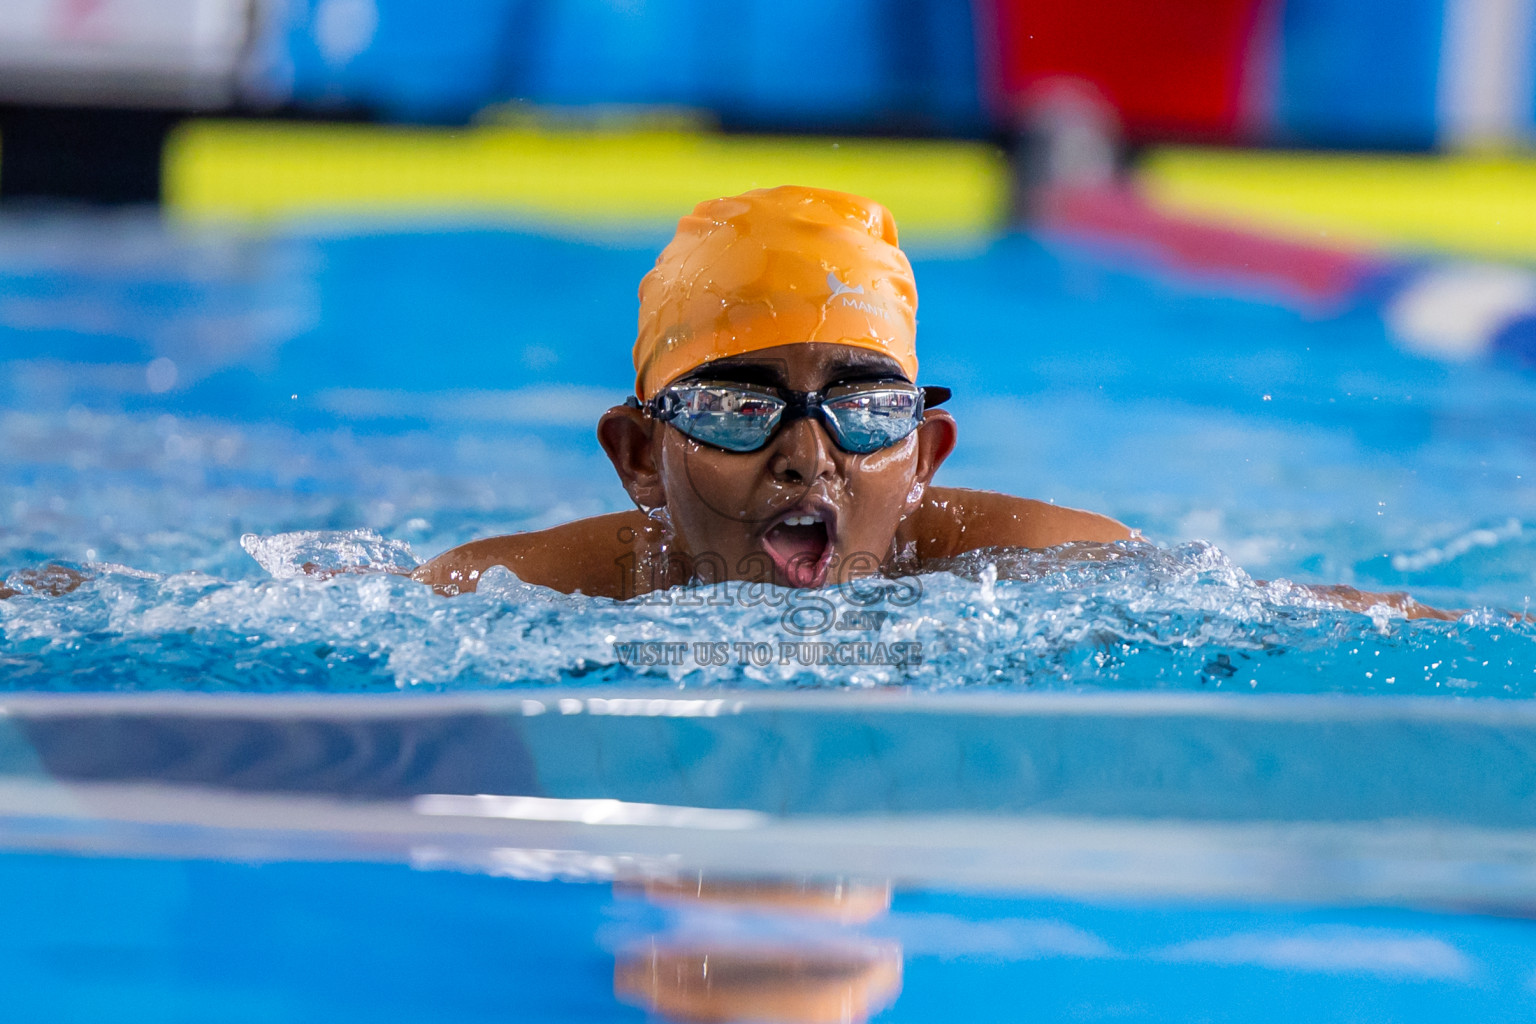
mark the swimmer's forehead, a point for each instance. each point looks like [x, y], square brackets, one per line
[836, 363]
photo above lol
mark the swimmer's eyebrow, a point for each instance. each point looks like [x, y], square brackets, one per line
[728, 372]
[882, 370]
[855, 369]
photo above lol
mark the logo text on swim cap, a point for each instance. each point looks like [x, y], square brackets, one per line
[839, 288]
[846, 293]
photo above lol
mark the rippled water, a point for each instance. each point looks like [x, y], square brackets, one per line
[165, 395]
[1135, 616]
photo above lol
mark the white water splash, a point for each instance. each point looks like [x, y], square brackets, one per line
[1132, 616]
[328, 552]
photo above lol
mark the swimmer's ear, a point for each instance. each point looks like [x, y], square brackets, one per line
[935, 440]
[625, 434]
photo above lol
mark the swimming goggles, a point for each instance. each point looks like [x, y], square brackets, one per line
[861, 418]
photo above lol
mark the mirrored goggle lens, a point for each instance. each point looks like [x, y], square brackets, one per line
[867, 421]
[729, 418]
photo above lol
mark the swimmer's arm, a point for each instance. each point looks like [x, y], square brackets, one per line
[953, 520]
[595, 556]
[1364, 600]
[49, 581]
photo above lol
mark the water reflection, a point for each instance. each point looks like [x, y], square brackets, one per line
[844, 900]
[798, 962]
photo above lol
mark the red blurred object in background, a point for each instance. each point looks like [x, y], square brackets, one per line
[1170, 69]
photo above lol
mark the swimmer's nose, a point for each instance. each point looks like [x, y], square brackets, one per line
[802, 453]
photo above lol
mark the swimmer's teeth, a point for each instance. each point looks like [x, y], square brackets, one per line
[809, 520]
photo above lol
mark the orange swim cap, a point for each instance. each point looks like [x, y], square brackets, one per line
[770, 267]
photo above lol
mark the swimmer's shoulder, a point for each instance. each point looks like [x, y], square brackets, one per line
[596, 556]
[954, 520]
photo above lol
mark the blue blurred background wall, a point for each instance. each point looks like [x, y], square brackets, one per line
[1363, 73]
[897, 66]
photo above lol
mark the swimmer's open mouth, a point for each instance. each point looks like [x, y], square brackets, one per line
[800, 544]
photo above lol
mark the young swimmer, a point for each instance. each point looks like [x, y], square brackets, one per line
[777, 432]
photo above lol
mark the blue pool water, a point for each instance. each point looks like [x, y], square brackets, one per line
[1138, 788]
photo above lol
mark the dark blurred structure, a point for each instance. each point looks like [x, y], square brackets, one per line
[90, 88]
[1397, 74]
[96, 154]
